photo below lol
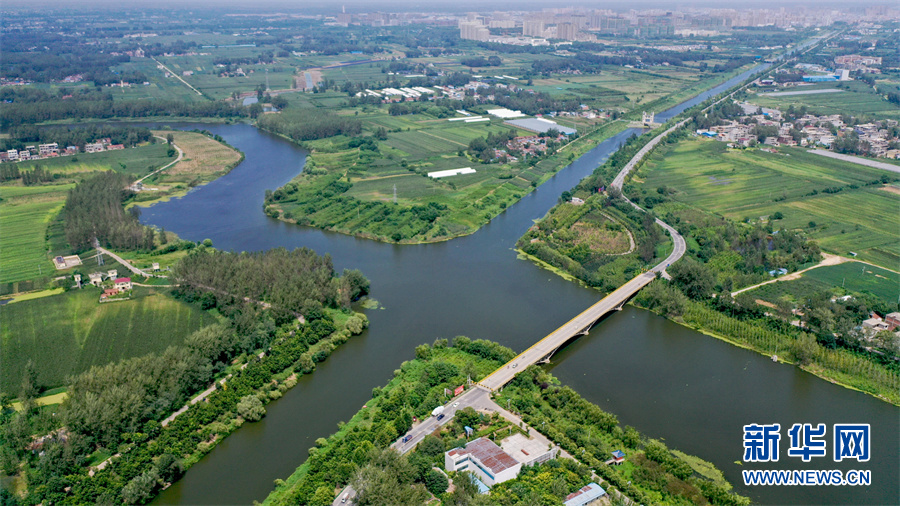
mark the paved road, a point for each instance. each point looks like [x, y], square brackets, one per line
[124, 262]
[856, 159]
[473, 397]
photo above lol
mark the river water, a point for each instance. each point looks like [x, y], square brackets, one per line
[667, 381]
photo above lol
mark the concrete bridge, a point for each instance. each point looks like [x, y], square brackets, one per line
[581, 324]
[578, 326]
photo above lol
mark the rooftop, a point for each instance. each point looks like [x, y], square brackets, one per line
[540, 125]
[489, 454]
[585, 495]
[523, 449]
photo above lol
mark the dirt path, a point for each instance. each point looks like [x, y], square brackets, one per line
[180, 156]
[827, 261]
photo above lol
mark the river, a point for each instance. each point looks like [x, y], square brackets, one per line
[669, 382]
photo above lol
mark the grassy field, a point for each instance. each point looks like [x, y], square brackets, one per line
[754, 184]
[24, 215]
[856, 99]
[137, 161]
[68, 333]
[859, 277]
[844, 279]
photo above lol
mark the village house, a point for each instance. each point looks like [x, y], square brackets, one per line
[112, 274]
[95, 278]
[109, 292]
[93, 148]
[47, 149]
[122, 284]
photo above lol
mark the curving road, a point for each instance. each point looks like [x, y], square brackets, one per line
[680, 245]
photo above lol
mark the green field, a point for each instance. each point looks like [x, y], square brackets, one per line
[750, 184]
[25, 212]
[137, 161]
[68, 333]
[843, 279]
[856, 99]
[859, 277]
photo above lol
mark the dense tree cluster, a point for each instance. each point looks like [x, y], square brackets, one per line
[119, 407]
[59, 59]
[298, 281]
[38, 175]
[480, 61]
[306, 126]
[530, 102]
[94, 210]
[27, 107]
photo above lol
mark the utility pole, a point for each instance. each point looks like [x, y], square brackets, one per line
[395, 194]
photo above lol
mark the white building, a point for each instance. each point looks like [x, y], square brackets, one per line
[123, 284]
[46, 149]
[95, 278]
[485, 460]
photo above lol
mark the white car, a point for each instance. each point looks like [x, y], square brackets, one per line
[455, 404]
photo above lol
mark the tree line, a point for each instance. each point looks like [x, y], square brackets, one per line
[27, 107]
[120, 406]
[93, 210]
[24, 134]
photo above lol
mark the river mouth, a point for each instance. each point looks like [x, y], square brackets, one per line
[669, 382]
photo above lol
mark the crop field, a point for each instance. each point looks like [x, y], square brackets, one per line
[136, 161]
[24, 215]
[857, 100]
[841, 279]
[756, 184]
[68, 333]
[360, 73]
[160, 87]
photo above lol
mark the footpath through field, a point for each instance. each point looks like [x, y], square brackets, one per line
[828, 260]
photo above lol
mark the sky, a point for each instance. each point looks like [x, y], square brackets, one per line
[322, 6]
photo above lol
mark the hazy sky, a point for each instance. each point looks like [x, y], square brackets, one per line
[432, 5]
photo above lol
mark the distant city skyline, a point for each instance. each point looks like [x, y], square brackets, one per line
[333, 6]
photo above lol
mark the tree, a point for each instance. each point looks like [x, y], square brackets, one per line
[250, 408]
[436, 482]
[140, 489]
[694, 278]
[170, 138]
[431, 446]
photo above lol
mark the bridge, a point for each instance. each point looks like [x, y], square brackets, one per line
[578, 326]
[581, 324]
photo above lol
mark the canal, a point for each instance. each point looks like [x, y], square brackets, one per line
[667, 381]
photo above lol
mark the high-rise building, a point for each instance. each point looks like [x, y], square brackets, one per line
[473, 31]
[566, 31]
[533, 28]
